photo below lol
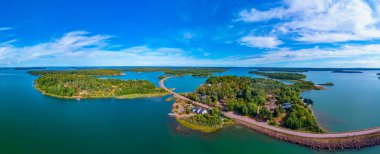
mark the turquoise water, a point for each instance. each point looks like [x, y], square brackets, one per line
[33, 123]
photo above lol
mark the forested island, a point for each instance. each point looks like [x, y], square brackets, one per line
[280, 75]
[346, 71]
[263, 99]
[84, 84]
[282, 70]
[194, 71]
[93, 72]
[29, 68]
[326, 84]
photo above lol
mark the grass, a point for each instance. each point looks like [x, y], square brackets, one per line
[204, 129]
[169, 99]
[228, 122]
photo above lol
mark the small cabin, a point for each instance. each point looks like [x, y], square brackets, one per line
[286, 105]
[199, 110]
[202, 97]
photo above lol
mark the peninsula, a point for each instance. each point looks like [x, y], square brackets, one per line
[331, 141]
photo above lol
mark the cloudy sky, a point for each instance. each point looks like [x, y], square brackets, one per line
[288, 33]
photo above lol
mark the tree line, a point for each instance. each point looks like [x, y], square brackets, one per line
[249, 96]
[93, 72]
[69, 85]
[280, 75]
[194, 71]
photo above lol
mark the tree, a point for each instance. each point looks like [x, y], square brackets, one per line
[245, 110]
[252, 108]
[265, 114]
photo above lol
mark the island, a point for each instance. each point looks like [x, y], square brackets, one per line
[85, 84]
[377, 73]
[269, 69]
[193, 71]
[93, 72]
[280, 75]
[345, 71]
[29, 68]
[266, 100]
[326, 84]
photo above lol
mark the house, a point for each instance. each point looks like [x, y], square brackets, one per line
[202, 97]
[199, 110]
[203, 111]
[286, 105]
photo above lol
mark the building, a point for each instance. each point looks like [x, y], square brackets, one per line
[286, 105]
[199, 110]
[202, 97]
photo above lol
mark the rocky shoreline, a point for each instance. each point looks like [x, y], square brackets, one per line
[352, 142]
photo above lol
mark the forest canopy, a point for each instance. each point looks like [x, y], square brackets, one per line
[194, 71]
[254, 97]
[93, 72]
[280, 75]
[85, 86]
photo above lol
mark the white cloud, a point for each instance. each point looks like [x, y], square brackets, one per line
[348, 55]
[79, 48]
[82, 49]
[254, 15]
[260, 41]
[5, 28]
[323, 21]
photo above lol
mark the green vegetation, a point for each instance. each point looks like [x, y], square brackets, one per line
[84, 86]
[162, 77]
[29, 68]
[345, 71]
[327, 84]
[93, 72]
[204, 122]
[301, 118]
[282, 70]
[205, 129]
[251, 97]
[308, 101]
[281, 75]
[195, 72]
[307, 85]
[169, 99]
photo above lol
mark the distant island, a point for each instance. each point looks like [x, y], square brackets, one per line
[262, 99]
[377, 73]
[193, 71]
[93, 72]
[280, 75]
[29, 68]
[282, 70]
[346, 71]
[327, 84]
[83, 84]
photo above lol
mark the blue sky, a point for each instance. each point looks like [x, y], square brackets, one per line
[288, 33]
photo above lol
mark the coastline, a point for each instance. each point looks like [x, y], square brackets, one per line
[192, 126]
[330, 141]
[129, 96]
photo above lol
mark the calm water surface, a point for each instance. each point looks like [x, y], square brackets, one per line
[33, 123]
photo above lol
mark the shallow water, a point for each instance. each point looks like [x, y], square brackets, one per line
[33, 123]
